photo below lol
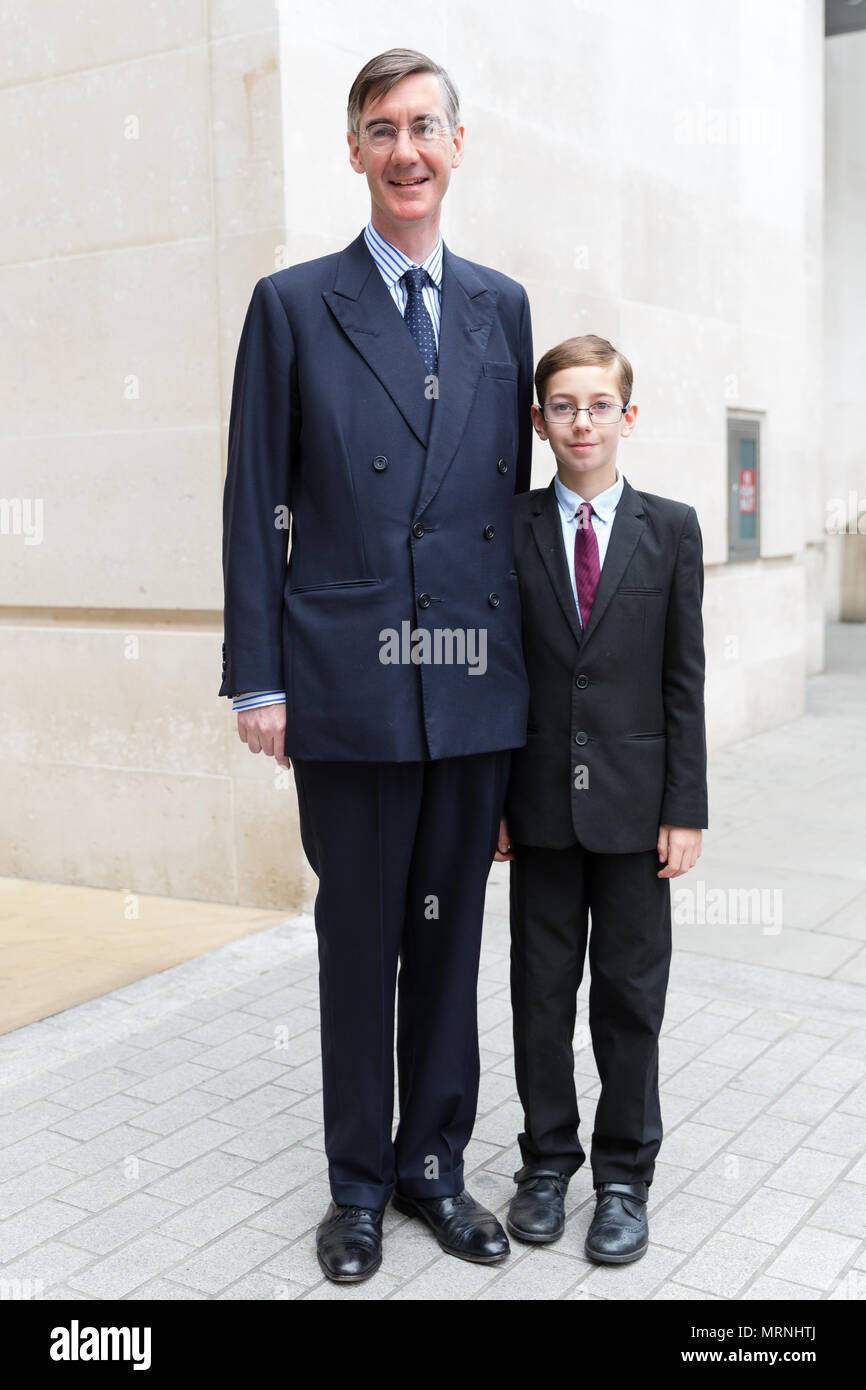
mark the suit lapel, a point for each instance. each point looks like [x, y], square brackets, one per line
[627, 529]
[363, 307]
[468, 311]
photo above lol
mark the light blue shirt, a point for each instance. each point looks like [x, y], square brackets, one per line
[392, 264]
[603, 512]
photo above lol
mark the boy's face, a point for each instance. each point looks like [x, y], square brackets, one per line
[585, 450]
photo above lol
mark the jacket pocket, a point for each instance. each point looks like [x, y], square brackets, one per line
[635, 589]
[646, 735]
[336, 584]
[503, 369]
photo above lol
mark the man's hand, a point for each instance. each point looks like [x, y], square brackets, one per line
[681, 848]
[503, 844]
[263, 729]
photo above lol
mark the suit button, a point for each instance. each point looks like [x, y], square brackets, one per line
[380, 463]
[489, 532]
[424, 600]
[418, 530]
[582, 682]
[502, 465]
[581, 738]
[493, 600]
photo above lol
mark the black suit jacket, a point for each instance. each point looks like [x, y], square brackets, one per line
[616, 742]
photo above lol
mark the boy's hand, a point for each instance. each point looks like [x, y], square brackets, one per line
[681, 848]
[503, 844]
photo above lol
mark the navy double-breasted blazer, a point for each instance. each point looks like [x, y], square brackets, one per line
[400, 510]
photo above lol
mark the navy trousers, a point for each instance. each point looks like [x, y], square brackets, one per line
[553, 894]
[402, 852]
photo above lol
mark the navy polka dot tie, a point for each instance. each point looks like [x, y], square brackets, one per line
[416, 315]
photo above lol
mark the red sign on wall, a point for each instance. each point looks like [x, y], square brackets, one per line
[747, 490]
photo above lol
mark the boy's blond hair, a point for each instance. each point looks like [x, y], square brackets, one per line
[586, 351]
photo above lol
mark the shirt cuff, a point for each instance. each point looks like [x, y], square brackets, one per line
[255, 698]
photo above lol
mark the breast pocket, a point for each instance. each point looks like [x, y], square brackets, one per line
[508, 370]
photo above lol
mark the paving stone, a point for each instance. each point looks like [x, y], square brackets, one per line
[769, 1215]
[804, 1103]
[37, 1223]
[112, 1184]
[205, 1174]
[96, 1119]
[778, 1289]
[730, 1109]
[840, 1133]
[120, 1223]
[813, 1257]
[637, 1280]
[259, 1287]
[769, 1137]
[540, 1274]
[189, 1143]
[697, 1080]
[729, 1177]
[692, 1145]
[685, 1221]
[844, 1210]
[724, 1264]
[30, 1186]
[807, 1172]
[49, 1263]
[213, 1215]
[118, 1274]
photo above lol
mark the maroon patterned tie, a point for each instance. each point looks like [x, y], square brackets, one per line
[586, 566]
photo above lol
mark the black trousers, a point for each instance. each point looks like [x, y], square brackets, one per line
[402, 852]
[553, 893]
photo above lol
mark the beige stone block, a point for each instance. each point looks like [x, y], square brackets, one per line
[142, 831]
[127, 519]
[681, 364]
[124, 341]
[248, 176]
[272, 870]
[114, 700]
[229, 17]
[109, 157]
[63, 38]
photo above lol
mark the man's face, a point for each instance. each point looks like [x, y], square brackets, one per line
[407, 184]
[586, 446]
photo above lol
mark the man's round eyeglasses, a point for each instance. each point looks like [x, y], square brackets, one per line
[381, 135]
[601, 413]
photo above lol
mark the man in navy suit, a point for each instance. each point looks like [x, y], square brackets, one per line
[381, 401]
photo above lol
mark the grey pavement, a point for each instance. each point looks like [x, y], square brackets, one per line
[165, 1140]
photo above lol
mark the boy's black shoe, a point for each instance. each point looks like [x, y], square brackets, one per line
[349, 1243]
[619, 1231]
[460, 1224]
[537, 1210]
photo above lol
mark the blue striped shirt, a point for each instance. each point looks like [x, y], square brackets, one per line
[392, 264]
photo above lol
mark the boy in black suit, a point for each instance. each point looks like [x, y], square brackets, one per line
[607, 799]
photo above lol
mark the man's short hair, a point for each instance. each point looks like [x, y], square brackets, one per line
[385, 70]
[586, 351]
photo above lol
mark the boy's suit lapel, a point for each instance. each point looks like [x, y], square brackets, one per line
[367, 314]
[627, 529]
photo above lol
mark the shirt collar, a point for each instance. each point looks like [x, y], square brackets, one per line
[393, 262]
[604, 505]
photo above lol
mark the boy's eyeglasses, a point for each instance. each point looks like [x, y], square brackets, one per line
[602, 413]
[383, 136]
